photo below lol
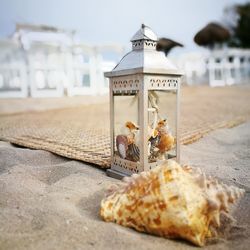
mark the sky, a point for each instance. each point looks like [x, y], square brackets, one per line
[115, 21]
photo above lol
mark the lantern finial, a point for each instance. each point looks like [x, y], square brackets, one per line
[144, 33]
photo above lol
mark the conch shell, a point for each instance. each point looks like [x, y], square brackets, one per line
[170, 201]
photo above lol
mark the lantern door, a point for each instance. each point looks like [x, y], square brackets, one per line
[125, 125]
[162, 119]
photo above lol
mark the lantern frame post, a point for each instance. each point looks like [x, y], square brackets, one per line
[143, 124]
[178, 123]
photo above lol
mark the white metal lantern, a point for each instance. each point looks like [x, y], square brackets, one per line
[144, 108]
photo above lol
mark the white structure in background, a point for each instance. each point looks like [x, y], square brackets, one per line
[13, 75]
[229, 66]
[47, 62]
[86, 66]
[81, 65]
[47, 76]
[220, 67]
[194, 66]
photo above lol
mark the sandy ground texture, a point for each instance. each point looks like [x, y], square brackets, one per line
[49, 202]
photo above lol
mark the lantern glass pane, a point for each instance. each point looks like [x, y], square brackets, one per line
[162, 125]
[126, 130]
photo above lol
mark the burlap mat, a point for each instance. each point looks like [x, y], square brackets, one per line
[82, 133]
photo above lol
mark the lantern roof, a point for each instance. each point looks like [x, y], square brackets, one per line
[144, 58]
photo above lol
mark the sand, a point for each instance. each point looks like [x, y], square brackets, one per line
[50, 202]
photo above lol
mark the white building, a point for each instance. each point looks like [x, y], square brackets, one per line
[194, 66]
[229, 66]
[219, 67]
[43, 61]
[13, 75]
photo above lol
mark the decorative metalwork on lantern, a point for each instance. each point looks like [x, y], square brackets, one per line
[144, 108]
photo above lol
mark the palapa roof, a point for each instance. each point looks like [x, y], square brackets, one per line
[211, 34]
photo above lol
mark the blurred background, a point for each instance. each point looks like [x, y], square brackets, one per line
[55, 48]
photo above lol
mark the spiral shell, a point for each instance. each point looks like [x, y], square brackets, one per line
[170, 201]
[133, 152]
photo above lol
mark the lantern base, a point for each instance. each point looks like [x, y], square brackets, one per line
[116, 174]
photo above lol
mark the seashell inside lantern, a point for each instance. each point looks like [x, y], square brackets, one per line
[160, 141]
[170, 201]
[166, 141]
[122, 145]
[133, 152]
[127, 143]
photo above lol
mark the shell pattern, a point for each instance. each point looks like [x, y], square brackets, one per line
[133, 152]
[166, 143]
[127, 151]
[122, 145]
[170, 201]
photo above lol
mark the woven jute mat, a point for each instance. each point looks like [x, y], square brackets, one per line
[82, 133]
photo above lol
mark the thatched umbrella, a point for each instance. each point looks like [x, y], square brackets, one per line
[165, 45]
[212, 34]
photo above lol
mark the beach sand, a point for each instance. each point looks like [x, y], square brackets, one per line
[50, 202]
